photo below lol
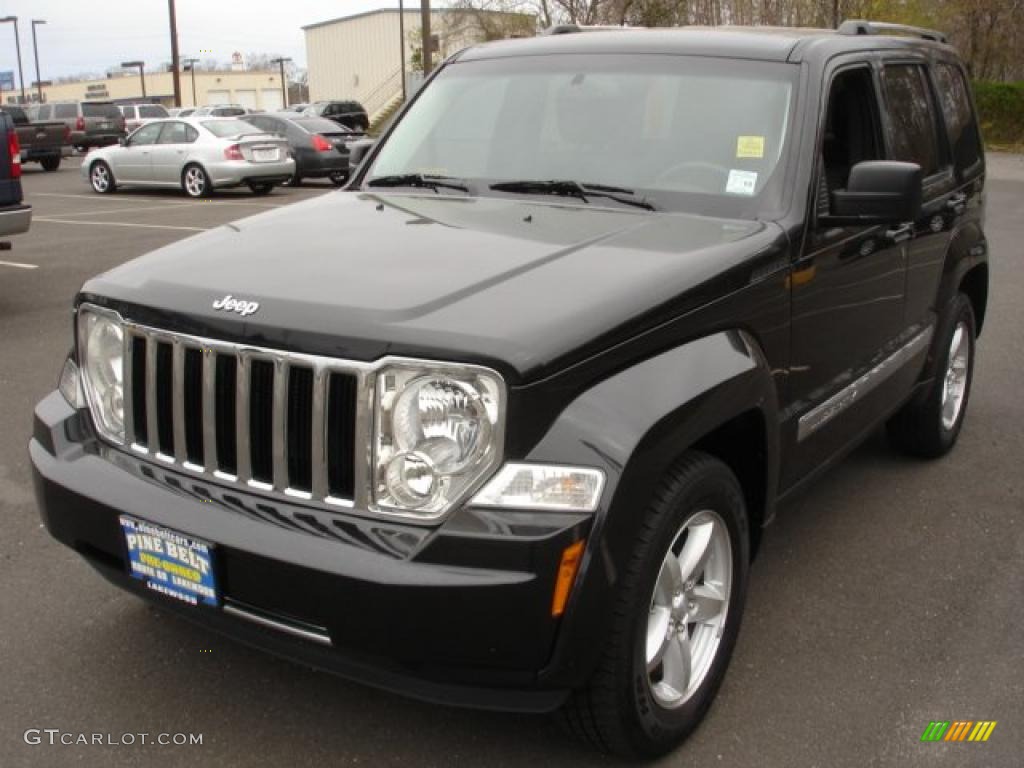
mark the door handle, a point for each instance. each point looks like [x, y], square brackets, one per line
[957, 203]
[900, 233]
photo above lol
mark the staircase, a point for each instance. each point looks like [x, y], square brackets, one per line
[381, 118]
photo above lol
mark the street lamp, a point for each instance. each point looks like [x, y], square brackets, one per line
[190, 66]
[284, 85]
[35, 53]
[142, 76]
[17, 45]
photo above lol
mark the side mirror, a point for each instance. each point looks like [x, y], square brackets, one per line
[123, 141]
[358, 150]
[879, 192]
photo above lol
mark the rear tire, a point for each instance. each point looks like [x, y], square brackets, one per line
[195, 182]
[673, 626]
[50, 164]
[295, 180]
[929, 425]
[338, 179]
[102, 178]
[261, 189]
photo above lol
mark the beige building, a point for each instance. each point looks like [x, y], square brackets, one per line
[260, 90]
[359, 57]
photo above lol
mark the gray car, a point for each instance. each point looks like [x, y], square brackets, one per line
[197, 154]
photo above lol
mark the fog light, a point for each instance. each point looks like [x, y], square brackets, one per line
[412, 479]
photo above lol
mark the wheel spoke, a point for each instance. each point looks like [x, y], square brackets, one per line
[696, 550]
[677, 663]
[670, 580]
[708, 602]
[658, 636]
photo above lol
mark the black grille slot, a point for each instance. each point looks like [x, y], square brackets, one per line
[341, 434]
[227, 454]
[139, 390]
[165, 398]
[261, 420]
[300, 429]
[193, 411]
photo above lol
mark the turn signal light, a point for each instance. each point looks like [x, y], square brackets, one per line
[320, 144]
[234, 152]
[571, 557]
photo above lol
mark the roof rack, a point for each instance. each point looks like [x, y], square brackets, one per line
[571, 29]
[862, 27]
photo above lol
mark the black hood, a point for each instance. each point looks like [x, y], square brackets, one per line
[517, 283]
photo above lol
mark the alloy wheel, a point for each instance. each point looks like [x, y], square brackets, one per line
[954, 387]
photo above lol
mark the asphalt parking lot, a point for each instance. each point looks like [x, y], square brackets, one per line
[889, 595]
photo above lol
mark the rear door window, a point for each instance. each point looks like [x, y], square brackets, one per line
[178, 133]
[961, 125]
[912, 127]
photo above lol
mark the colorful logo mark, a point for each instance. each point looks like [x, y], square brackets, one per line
[958, 730]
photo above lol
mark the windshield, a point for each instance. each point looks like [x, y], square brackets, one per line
[225, 128]
[689, 134]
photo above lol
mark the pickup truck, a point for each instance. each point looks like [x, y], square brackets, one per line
[41, 142]
[15, 216]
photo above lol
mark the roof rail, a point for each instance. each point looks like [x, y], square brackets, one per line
[862, 27]
[571, 29]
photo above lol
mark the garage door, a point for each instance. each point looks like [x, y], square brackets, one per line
[271, 99]
[218, 97]
[246, 97]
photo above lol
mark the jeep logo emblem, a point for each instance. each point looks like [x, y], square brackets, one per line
[230, 304]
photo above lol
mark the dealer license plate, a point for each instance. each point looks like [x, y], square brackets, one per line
[169, 562]
[264, 155]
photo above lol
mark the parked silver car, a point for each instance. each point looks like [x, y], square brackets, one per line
[197, 154]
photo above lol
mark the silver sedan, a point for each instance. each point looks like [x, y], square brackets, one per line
[196, 154]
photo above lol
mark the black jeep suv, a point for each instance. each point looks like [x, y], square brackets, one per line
[505, 427]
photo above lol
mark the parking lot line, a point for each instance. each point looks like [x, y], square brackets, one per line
[150, 198]
[18, 265]
[116, 224]
[108, 211]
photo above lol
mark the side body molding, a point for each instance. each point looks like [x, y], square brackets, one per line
[635, 425]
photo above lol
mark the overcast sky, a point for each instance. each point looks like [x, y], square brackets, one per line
[95, 35]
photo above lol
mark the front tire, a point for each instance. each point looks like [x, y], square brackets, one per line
[102, 178]
[50, 164]
[195, 182]
[929, 425]
[675, 617]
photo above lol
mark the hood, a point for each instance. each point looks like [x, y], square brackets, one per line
[515, 283]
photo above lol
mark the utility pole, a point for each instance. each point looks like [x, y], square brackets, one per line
[35, 52]
[284, 85]
[17, 45]
[401, 43]
[176, 75]
[835, 14]
[425, 27]
[190, 65]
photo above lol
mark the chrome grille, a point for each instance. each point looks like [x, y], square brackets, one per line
[277, 422]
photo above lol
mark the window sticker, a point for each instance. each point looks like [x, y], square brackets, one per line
[750, 147]
[741, 183]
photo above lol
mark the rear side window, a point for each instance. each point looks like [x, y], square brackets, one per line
[912, 126]
[65, 111]
[959, 116]
[100, 110]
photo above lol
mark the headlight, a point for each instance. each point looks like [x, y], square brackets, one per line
[101, 354]
[438, 432]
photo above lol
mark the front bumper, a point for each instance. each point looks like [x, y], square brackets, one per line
[15, 219]
[458, 614]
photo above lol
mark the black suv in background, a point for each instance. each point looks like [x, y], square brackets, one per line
[351, 114]
[500, 423]
[91, 123]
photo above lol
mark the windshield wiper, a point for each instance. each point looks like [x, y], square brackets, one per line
[569, 188]
[418, 180]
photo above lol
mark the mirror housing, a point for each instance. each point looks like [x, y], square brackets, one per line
[358, 150]
[879, 192]
[123, 141]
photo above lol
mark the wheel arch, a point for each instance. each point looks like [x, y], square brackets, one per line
[974, 284]
[722, 401]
